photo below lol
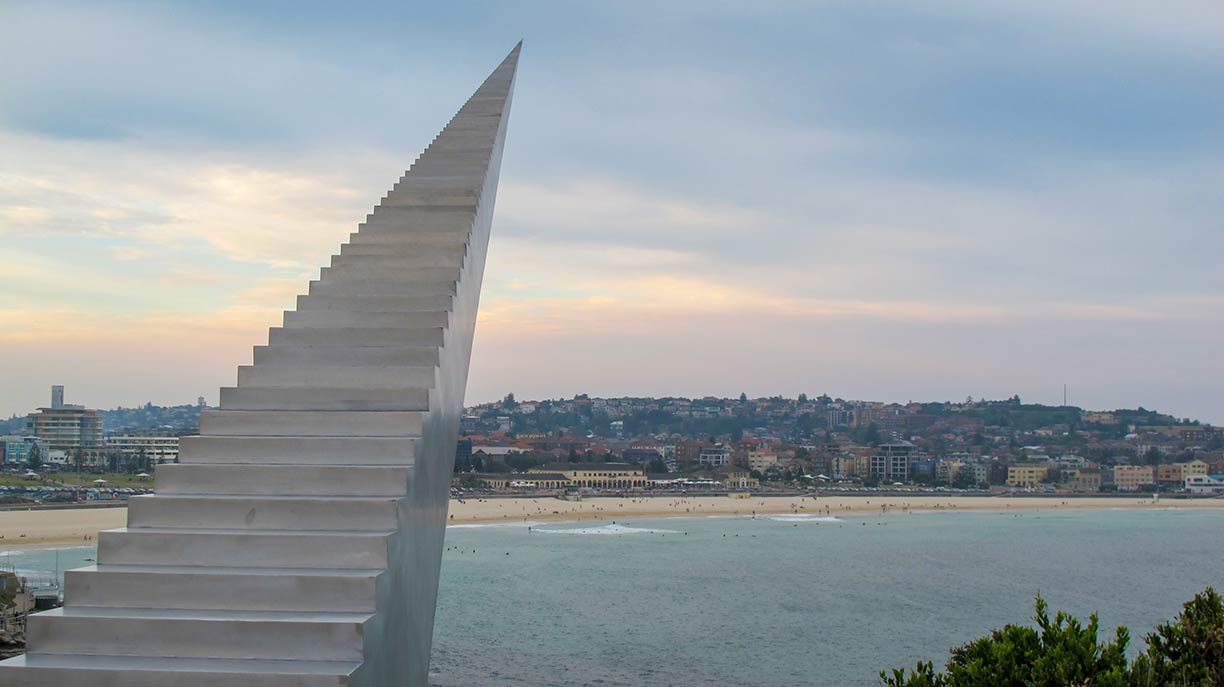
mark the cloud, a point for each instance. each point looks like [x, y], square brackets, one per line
[930, 200]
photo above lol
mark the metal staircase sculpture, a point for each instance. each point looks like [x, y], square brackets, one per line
[298, 541]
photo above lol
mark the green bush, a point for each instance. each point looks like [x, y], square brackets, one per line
[1188, 652]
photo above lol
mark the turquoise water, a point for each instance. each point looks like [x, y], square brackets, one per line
[794, 601]
[784, 601]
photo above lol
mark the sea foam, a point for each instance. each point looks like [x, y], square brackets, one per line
[605, 530]
[803, 517]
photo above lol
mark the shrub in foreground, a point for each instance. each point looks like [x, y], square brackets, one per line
[1063, 652]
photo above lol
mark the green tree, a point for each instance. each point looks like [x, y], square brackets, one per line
[1057, 653]
[1188, 651]
[34, 458]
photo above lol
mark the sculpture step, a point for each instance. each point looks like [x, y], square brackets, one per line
[452, 254]
[405, 279]
[199, 634]
[350, 513]
[429, 198]
[323, 319]
[426, 217]
[51, 670]
[315, 376]
[287, 355]
[197, 587]
[403, 303]
[310, 423]
[407, 256]
[356, 336]
[225, 548]
[283, 480]
[374, 288]
[261, 398]
[408, 238]
[213, 450]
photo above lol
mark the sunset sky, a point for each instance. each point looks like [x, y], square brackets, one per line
[888, 201]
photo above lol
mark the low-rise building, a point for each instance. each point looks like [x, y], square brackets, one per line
[16, 449]
[714, 456]
[948, 470]
[762, 460]
[155, 449]
[597, 475]
[1195, 467]
[1026, 475]
[1082, 479]
[1133, 477]
[1204, 484]
[736, 478]
[1169, 474]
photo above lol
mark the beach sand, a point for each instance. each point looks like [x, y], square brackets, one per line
[61, 527]
[549, 509]
[75, 526]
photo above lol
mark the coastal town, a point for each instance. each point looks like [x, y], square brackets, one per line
[822, 442]
[641, 444]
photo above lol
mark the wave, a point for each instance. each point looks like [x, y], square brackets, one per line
[495, 525]
[605, 530]
[803, 517]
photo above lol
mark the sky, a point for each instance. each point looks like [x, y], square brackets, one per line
[887, 200]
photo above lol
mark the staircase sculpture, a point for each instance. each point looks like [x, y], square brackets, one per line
[299, 539]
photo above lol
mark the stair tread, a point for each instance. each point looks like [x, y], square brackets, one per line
[251, 532]
[117, 613]
[270, 497]
[173, 664]
[229, 570]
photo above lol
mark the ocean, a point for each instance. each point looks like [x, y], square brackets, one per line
[784, 600]
[795, 600]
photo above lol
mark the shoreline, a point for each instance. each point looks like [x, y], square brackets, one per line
[65, 527]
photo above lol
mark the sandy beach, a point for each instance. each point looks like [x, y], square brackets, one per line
[61, 527]
[79, 526]
[548, 509]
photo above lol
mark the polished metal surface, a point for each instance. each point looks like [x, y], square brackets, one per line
[299, 540]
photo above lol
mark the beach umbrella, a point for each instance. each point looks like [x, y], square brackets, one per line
[99, 481]
[143, 474]
[30, 473]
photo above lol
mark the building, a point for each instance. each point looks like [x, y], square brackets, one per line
[736, 478]
[837, 418]
[948, 470]
[1082, 479]
[1133, 477]
[981, 473]
[891, 462]
[844, 465]
[16, 449]
[596, 475]
[1174, 474]
[1205, 484]
[16, 602]
[1026, 475]
[533, 480]
[135, 447]
[714, 456]
[762, 460]
[70, 430]
[1195, 467]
